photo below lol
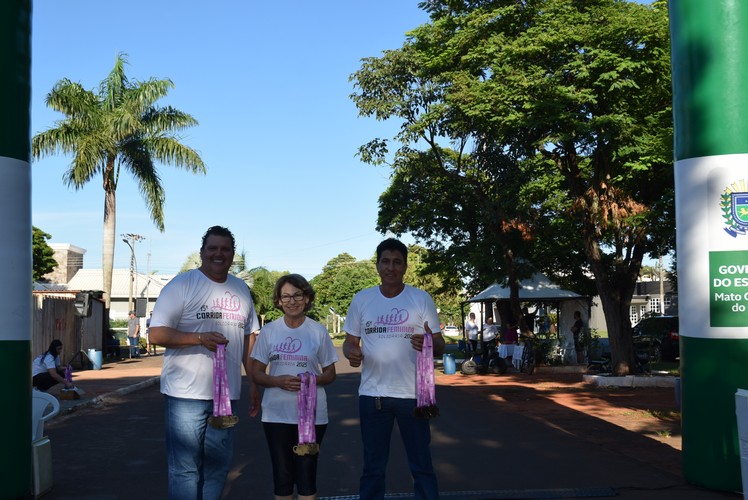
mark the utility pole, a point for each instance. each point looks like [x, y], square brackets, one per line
[130, 240]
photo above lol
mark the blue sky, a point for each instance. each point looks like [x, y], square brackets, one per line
[268, 83]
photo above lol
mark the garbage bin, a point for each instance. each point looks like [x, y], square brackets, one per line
[94, 357]
[449, 364]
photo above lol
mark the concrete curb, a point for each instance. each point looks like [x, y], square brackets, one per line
[629, 381]
[103, 398]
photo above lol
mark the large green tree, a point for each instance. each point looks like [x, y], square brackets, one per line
[555, 114]
[43, 256]
[341, 278]
[344, 276]
[118, 125]
[424, 274]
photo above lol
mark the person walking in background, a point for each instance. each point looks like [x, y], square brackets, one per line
[195, 312]
[577, 330]
[291, 345]
[385, 329]
[471, 329]
[46, 371]
[133, 335]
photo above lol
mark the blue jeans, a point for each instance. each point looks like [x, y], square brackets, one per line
[199, 456]
[134, 348]
[376, 429]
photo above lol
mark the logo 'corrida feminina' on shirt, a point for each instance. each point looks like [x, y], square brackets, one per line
[390, 322]
[285, 353]
[224, 309]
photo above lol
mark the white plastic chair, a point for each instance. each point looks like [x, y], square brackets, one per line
[40, 402]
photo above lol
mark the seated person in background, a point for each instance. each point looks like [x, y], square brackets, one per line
[510, 334]
[46, 371]
[112, 344]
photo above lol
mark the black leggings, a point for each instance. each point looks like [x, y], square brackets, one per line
[44, 381]
[288, 467]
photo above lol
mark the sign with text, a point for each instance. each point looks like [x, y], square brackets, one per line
[728, 288]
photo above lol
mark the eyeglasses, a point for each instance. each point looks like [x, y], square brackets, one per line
[297, 297]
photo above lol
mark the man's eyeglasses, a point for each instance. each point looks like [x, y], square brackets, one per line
[297, 297]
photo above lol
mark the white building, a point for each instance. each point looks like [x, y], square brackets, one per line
[146, 287]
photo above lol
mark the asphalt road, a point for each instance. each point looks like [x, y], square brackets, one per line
[481, 449]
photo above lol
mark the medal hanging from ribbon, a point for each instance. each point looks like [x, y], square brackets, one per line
[307, 400]
[425, 391]
[222, 415]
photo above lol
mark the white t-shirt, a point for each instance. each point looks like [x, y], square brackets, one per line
[471, 328]
[44, 362]
[291, 351]
[191, 302]
[385, 326]
[490, 332]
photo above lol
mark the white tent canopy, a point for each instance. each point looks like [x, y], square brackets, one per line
[539, 288]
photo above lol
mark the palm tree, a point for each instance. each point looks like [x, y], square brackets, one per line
[114, 126]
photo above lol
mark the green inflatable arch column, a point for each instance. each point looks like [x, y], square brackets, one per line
[710, 106]
[15, 252]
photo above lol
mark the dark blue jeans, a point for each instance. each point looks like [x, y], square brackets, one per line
[199, 456]
[134, 348]
[377, 420]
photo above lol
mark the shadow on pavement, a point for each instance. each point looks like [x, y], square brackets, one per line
[483, 444]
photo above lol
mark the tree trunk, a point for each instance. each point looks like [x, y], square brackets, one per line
[619, 330]
[615, 286]
[107, 256]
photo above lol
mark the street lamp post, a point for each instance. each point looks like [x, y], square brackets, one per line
[130, 240]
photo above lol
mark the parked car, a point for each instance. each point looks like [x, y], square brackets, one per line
[658, 336]
[452, 332]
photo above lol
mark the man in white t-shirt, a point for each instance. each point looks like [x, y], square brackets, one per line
[384, 329]
[195, 312]
[490, 330]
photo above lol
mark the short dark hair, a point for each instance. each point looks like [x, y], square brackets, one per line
[393, 245]
[218, 231]
[299, 282]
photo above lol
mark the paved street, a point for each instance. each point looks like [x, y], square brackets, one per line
[482, 448]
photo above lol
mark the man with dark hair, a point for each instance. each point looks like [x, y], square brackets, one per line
[133, 334]
[385, 328]
[195, 312]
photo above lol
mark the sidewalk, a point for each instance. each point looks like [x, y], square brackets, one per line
[115, 378]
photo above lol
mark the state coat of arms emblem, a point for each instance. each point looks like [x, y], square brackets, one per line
[734, 205]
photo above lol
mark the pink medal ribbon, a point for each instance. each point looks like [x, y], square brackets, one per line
[222, 414]
[425, 391]
[307, 401]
